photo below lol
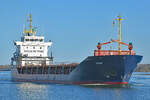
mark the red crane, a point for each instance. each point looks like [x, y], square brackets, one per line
[99, 46]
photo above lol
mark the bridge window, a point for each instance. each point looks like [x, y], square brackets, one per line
[41, 40]
[34, 40]
[26, 39]
[31, 39]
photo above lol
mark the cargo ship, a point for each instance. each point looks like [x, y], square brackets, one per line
[32, 62]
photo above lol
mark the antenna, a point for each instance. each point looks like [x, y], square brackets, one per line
[113, 26]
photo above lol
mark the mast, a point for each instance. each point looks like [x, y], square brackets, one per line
[30, 31]
[30, 23]
[119, 19]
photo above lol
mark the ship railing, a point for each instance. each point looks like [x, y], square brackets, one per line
[50, 69]
[112, 52]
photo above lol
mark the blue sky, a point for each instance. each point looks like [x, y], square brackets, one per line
[75, 26]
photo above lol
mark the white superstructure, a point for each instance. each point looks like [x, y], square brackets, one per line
[32, 49]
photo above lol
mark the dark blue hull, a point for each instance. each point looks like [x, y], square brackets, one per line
[105, 69]
[113, 69]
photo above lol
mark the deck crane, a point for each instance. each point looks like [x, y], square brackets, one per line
[130, 46]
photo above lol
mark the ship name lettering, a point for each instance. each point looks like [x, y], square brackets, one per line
[99, 62]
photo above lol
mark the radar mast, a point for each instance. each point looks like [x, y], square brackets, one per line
[30, 31]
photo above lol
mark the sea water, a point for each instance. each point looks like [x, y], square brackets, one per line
[138, 89]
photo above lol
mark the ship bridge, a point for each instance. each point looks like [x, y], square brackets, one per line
[32, 49]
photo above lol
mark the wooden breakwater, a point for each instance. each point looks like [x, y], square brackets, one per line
[143, 68]
[4, 67]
